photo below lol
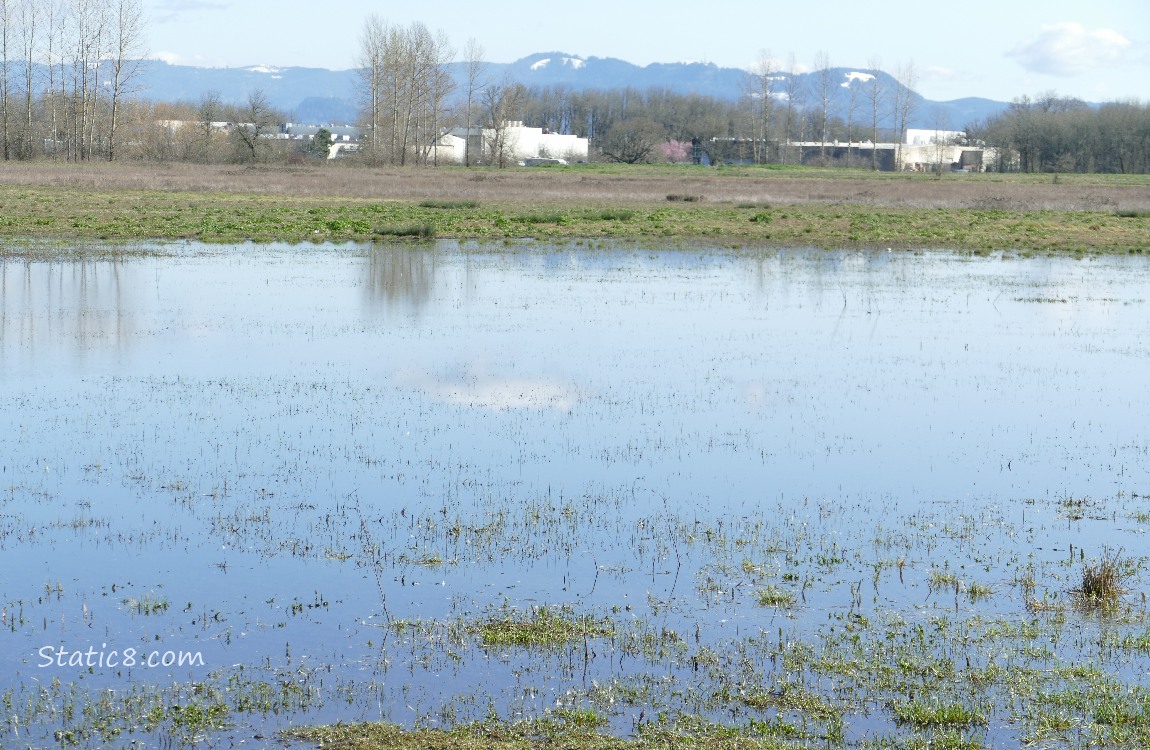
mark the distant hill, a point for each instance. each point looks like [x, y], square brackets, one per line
[323, 96]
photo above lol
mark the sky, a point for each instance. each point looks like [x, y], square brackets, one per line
[998, 49]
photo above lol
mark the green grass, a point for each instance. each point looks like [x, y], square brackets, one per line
[419, 231]
[448, 204]
[936, 714]
[773, 596]
[541, 627]
[552, 733]
[120, 215]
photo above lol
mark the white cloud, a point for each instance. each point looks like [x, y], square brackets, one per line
[1066, 49]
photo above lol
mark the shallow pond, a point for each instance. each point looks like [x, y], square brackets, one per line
[325, 477]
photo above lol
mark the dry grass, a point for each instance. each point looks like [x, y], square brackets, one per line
[595, 183]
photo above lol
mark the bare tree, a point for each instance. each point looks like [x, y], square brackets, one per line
[633, 140]
[372, 43]
[210, 111]
[29, 20]
[874, 93]
[796, 96]
[759, 91]
[503, 102]
[825, 90]
[852, 105]
[6, 15]
[127, 32]
[404, 87]
[476, 69]
[438, 85]
[54, 17]
[86, 22]
[904, 101]
[259, 122]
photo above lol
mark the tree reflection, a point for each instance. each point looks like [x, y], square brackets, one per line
[401, 275]
[73, 306]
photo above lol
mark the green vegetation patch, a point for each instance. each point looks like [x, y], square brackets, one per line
[541, 626]
[937, 714]
[560, 730]
[448, 204]
[418, 231]
[821, 208]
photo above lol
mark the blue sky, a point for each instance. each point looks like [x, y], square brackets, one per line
[994, 48]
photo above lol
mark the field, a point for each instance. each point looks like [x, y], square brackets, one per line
[704, 467]
[731, 206]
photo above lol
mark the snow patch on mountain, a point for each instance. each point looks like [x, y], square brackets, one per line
[852, 77]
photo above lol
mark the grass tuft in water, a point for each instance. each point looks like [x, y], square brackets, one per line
[773, 596]
[937, 714]
[1103, 580]
[541, 626]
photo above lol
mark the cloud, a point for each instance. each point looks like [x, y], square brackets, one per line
[170, 11]
[1066, 49]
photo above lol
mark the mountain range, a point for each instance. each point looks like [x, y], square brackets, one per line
[320, 96]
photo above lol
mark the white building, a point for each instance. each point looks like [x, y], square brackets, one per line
[922, 137]
[522, 143]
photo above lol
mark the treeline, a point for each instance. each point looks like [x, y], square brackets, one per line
[89, 50]
[68, 86]
[1057, 134]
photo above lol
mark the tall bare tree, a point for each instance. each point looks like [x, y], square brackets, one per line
[503, 103]
[7, 15]
[852, 106]
[906, 79]
[759, 93]
[404, 88]
[126, 45]
[370, 61]
[796, 98]
[874, 94]
[29, 18]
[476, 70]
[825, 91]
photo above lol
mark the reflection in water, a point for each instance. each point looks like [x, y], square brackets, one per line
[494, 392]
[73, 306]
[402, 275]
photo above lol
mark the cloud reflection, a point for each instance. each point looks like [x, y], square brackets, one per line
[495, 393]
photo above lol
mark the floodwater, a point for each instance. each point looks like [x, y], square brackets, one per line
[260, 456]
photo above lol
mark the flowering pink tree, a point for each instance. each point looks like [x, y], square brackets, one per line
[676, 152]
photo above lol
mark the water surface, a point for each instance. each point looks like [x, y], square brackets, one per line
[262, 454]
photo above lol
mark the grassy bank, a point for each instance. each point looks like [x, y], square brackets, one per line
[731, 207]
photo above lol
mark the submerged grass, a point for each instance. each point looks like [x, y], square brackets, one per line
[540, 734]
